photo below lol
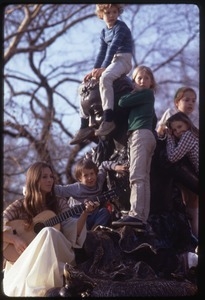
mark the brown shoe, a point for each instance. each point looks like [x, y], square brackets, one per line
[81, 135]
[105, 128]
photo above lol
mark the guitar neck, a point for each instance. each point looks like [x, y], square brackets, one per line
[79, 208]
[65, 215]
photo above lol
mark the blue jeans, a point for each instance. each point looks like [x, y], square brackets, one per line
[100, 216]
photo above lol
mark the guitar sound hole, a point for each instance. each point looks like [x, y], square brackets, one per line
[37, 227]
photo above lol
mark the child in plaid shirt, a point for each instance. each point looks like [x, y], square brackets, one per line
[183, 140]
[184, 101]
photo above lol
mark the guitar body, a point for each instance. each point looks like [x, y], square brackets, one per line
[46, 218]
[27, 234]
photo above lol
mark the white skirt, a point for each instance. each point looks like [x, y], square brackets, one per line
[40, 266]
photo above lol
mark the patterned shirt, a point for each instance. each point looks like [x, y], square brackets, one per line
[14, 211]
[117, 39]
[187, 145]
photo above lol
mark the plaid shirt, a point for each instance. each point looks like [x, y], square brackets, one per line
[187, 145]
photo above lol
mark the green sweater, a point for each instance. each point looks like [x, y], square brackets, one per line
[141, 105]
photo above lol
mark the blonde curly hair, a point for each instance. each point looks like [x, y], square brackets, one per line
[100, 8]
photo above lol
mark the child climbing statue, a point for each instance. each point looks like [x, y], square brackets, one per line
[113, 60]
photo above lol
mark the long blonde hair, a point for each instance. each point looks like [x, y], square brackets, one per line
[34, 200]
[149, 73]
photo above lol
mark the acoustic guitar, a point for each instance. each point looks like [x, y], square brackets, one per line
[46, 218]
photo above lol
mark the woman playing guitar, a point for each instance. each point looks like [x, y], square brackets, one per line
[39, 255]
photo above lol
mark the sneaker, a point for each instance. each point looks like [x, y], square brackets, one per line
[105, 128]
[129, 221]
[81, 135]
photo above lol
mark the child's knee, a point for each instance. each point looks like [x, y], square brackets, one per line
[106, 79]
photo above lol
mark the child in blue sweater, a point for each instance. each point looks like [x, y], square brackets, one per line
[89, 185]
[113, 60]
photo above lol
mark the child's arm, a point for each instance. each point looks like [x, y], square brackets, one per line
[161, 127]
[98, 69]
[68, 190]
[90, 206]
[137, 98]
[95, 74]
[110, 165]
[121, 168]
[185, 144]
